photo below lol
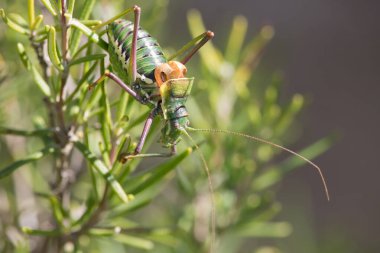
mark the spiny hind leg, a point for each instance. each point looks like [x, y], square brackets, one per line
[195, 44]
[132, 67]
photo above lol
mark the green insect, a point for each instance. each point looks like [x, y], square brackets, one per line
[141, 69]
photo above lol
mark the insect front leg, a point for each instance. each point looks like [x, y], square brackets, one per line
[124, 86]
[196, 43]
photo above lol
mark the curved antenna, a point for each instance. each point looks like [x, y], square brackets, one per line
[254, 138]
[211, 189]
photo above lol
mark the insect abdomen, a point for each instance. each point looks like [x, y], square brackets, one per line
[149, 53]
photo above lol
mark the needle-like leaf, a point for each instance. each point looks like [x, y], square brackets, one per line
[103, 170]
[30, 158]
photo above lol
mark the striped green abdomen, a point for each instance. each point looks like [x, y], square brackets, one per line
[148, 56]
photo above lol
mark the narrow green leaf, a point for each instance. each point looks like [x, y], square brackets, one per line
[31, 13]
[12, 24]
[122, 105]
[93, 36]
[142, 199]
[70, 8]
[264, 210]
[82, 81]
[41, 38]
[103, 170]
[52, 9]
[87, 58]
[253, 49]
[26, 133]
[37, 22]
[57, 210]
[236, 39]
[42, 30]
[134, 241]
[105, 117]
[20, 20]
[90, 22]
[84, 14]
[104, 150]
[270, 98]
[101, 232]
[288, 113]
[44, 87]
[23, 56]
[52, 49]
[120, 147]
[39, 232]
[87, 106]
[165, 237]
[251, 58]
[83, 47]
[30, 158]
[140, 183]
[58, 4]
[94, 179]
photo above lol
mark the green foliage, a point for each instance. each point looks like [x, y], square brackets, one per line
[80, 197]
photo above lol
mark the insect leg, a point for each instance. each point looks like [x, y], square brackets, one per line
[121, 14]
[132, 68]
[196, 43]
[125, 158]
[147, 125]
[136, 154]
[117, 80]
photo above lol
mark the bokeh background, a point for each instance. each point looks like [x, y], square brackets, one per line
[329, 52]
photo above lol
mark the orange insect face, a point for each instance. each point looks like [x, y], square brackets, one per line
[168, 71]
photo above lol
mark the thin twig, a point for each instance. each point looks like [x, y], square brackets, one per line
[94, 219]
[65, 46]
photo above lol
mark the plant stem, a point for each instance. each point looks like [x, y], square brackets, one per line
[94, 219]
[65, 72]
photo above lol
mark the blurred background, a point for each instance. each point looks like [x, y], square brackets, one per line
[329, 52]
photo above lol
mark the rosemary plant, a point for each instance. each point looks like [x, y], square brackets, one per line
[62, 186]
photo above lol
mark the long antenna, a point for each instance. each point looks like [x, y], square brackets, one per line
[254, 138]
[211, 189]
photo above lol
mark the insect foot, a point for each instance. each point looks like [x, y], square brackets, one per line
[124, 157]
